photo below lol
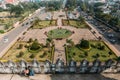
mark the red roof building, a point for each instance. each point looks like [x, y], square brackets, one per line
[9, 1]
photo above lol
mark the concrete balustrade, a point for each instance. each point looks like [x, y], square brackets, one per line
[47, 67]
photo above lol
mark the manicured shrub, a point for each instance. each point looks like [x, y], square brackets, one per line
[35, 46]
[20, 46]
[30, 40]
[97, 55]
[32, 56]
[21, 53]
[74, 54]
[100, 46]
[86, 54]
[93, 45]
[103, 55]
[110, 53]
[44, 54]
[26, 46]
[84, 44]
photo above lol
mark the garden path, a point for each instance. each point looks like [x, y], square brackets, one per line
[59, 48]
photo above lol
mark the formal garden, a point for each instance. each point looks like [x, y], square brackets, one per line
[59, 33]
[30, 50]
[39, 24]
[89, 50]
[74, 23]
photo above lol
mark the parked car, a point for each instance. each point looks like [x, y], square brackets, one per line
[113, 41]
[5, 39]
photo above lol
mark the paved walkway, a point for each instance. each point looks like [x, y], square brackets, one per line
[59, 49]
[62, 77]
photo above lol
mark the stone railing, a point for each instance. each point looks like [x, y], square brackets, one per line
[73, 67]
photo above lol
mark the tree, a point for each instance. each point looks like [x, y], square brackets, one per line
[114, 21]
[70, 4]
[32, 56]
[1, 9]
[49, 42]
[17, 10]
[81, 19]
[86, 54]
[20, 46]
[9, 5]
[20, 54]
[84, 8]
[107, 17]
[74, 53]
[35, 45]
[7, 26]
[30, 40]
[97, 55]
[110, 53]
[84, 44]
[70, 42]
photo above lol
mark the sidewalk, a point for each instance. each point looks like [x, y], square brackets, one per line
[18, 77]
[59, 49]
[62, 77]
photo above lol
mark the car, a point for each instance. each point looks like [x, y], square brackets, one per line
[5, 39]
[113, 41]
[110, 35]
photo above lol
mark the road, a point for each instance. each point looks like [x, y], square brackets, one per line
[17, 32]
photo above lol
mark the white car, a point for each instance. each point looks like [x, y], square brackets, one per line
[5, 39]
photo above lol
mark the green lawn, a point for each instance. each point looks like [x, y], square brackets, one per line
[59, 33]
[42, 24]
[79, 54]
[75, 23]
[13, 53]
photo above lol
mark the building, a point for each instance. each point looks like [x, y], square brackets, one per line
[10, 1]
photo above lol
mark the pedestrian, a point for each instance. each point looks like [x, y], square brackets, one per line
[31, 71]
[26, 71]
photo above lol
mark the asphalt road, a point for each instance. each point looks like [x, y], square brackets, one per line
[13, 35]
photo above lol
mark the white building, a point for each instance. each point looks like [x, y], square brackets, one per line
[97, 1]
